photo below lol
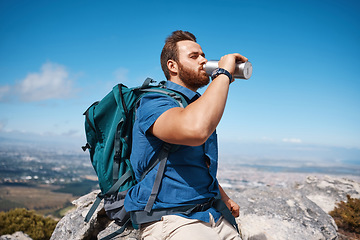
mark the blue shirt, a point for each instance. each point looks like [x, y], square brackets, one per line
[187, 179]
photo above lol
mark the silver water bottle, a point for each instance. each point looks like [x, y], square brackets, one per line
[243, 70]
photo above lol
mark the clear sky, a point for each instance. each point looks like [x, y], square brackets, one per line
[57, 57]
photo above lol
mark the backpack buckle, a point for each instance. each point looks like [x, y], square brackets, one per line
[117, 156]
[167, 147]
[204, 206]
[87, 146]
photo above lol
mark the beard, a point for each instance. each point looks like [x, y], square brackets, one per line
[192, 78]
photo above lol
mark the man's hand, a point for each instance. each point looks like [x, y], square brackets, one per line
[228, 62]
[233, 207]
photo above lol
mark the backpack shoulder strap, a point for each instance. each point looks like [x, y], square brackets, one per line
[160, 88]
[177, 96]
[147, 82]
[162, 158]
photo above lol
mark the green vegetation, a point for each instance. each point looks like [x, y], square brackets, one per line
[347, 217]
[20, 219]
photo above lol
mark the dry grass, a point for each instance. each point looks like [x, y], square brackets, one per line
[41, 199]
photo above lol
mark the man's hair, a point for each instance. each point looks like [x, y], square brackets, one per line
[170, 50]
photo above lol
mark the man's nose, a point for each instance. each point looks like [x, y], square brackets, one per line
[203, 60]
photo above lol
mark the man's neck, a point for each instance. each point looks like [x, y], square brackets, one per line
[181, 83]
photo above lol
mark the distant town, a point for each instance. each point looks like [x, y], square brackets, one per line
[30, 165]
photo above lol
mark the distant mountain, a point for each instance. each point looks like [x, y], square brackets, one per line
[51, 141]
[292, 153]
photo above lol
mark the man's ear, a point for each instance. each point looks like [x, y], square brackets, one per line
[172, 66]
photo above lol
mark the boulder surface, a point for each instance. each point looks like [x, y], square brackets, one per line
[296, 212]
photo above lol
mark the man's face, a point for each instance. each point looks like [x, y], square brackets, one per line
[191, 64]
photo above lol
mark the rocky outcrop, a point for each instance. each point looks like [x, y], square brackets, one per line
[72, 225]
[16, 236]
[274, 213]
[326, 192]
[267, 213]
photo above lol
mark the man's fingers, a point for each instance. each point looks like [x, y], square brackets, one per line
[235, 212]
[240, 57]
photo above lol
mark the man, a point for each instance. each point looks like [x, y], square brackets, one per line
[190, 174]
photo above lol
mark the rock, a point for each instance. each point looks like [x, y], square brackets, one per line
[277, 213]
[73, 226]
[16, 236]
[129, 233]
[296, 212]
[328, 191]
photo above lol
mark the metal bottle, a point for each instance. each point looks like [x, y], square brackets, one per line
[243, 70]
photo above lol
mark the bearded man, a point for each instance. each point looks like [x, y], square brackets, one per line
[190, 173]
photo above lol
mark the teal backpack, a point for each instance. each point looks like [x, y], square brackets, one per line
[108, 128]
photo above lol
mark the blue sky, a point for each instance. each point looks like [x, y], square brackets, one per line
[57, 57]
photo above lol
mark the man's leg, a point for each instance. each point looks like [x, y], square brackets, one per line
[152, 231]
[225, 230]
[174, 227]
[179, 228]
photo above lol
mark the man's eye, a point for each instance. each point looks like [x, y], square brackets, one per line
[194, 56]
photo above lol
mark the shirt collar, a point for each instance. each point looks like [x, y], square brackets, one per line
[191, 95]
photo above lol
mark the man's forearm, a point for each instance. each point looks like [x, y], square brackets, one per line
[205, 113]
[224, 196]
